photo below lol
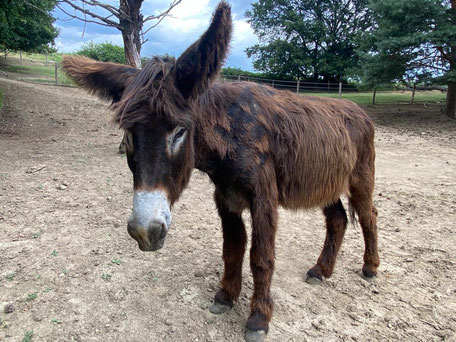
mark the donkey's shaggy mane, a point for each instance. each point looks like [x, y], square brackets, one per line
[148, 94]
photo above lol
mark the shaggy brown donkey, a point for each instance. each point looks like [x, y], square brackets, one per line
[261, 147]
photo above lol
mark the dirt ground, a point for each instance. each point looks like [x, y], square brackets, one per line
[70, 272]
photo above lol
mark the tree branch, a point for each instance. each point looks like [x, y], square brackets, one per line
[109, 8]
[162, 15]
[102, 20]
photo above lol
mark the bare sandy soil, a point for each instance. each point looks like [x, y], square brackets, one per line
[70, 272]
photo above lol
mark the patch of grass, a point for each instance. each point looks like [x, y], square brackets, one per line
[36, 235]
[39, 70]
[56, 321]
[10, 276]
[52, 57]
[106, 276]
[116, 261]
[54, 253]
[28, 336]
[32, 296]
[47, 290]
[389, 97]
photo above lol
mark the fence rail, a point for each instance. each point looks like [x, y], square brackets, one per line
[23, 67]
[296, 86]
[46, 70]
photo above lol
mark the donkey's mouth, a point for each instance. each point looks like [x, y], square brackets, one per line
[151, 247]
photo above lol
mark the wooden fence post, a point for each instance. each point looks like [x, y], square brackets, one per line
[413, 93]
[297, 86]
[6, 52]
[56, 73]
[239, 78]
[273, 83]
[373, 97]
[20, 57]
[340, 90]
[47, 58]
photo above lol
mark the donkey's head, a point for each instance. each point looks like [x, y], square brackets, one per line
[155, 107]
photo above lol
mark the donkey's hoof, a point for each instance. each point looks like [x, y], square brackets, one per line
[314, 276]
[219, 308]
[313, 280]
[368, 272]
[254, 336]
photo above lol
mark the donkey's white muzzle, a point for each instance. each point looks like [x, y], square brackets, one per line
[150, 220]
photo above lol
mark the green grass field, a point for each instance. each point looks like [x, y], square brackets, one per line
[390, 97]
[40, 72]
[46, 71]
[52, 57]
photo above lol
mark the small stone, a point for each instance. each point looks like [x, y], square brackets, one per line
[199, 274]
[109, 198]
[62, 187]
[9, 308]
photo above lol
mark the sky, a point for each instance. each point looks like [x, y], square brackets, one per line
[172, 36]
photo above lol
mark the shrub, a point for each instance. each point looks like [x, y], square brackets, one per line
[104, 52]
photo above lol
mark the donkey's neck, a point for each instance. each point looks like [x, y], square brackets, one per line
[214, 130]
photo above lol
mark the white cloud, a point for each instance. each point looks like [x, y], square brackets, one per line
[187, 22]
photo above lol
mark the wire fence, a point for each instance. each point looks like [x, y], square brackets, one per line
[295, 85]
[36, 68]
[45, 69]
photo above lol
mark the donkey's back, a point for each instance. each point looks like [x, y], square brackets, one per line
[319, 146]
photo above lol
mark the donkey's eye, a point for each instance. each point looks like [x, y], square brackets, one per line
[176, 139]
[179, 133]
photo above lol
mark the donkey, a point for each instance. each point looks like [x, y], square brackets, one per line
[261, 147]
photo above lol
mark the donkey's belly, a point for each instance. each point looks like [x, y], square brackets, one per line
[316, 177]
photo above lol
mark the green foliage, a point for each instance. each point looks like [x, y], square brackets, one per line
[28, 336]
[27, 24]
[116, 261]
[412, 40]
[105, 52]
[32, 296]
[230, 71]
[310, 39]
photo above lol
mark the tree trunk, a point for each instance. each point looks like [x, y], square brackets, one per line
[132, 30]
[132, 41]
[450, 107]
[132, 50]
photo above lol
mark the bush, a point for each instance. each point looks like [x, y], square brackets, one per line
[104, 52]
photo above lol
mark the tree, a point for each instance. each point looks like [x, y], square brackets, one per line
[412, 40]
[27, 24]
[126, 17]
[307, 38]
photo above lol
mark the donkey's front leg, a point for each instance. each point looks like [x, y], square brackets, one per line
[234, 241]
[264, 225]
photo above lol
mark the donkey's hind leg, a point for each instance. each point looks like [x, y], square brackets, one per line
[234, 243]
[361, 201]
[336, 223]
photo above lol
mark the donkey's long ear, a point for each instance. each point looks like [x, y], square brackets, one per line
[201, 62]
[106, 80]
